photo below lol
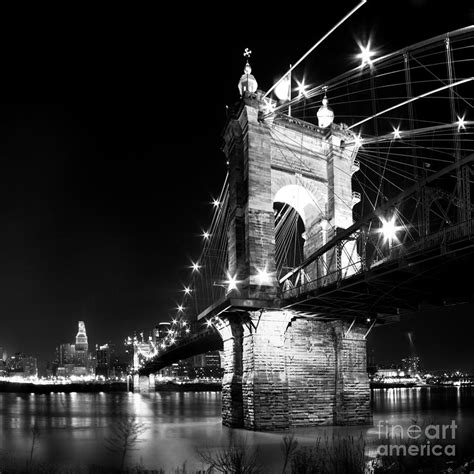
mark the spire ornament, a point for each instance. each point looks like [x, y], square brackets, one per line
[247, 83]
[325, 113]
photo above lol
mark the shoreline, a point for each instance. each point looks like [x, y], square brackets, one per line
[94, 387]
[86, 387]
[27, 387]
[427, 385]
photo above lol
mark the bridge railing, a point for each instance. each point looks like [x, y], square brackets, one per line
[412, 222]
[322, 275]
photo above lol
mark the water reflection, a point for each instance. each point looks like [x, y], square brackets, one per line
[74, 426]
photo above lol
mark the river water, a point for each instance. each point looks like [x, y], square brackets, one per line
[74, 427]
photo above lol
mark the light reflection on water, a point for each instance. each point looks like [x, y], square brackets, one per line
[74, 427]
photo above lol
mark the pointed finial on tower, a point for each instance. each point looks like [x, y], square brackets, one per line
[247, 82]
[325, 113]
[247, 54]
[325, 98]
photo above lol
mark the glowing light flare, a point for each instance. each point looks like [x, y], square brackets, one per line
[389, 229]
[206, 235]
[301, 88]
[208, 323]
[180, 308]
[216, 202]
[268, 107]
[195, 266]
[396, 133]
[461, 123]
[173, 321]
[263, 277]
[231, 282]
[365, 55]
[187, 290]
[358, 141]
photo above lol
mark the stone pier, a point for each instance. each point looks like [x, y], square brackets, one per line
[232, 405]
[282, 372]
[327, 373]
[264, 379]
[143, 383]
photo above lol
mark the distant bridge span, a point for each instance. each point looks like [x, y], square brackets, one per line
[200, 341]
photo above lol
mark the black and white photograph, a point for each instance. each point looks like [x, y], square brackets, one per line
[237, 238]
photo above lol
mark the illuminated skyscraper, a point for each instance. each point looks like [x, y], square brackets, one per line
[81, 346]
[74, 359]
[81, 338]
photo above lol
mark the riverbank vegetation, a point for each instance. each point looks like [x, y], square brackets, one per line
[326, 455]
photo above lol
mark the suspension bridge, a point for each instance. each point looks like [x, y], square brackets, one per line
[345, 206]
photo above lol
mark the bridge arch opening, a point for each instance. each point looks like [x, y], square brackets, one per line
[296, 211]
[300, 199]
[289, 238]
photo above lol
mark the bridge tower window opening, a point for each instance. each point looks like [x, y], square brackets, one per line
[289, 238]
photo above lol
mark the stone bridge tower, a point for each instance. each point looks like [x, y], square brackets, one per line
[282, 159]
[281, 368]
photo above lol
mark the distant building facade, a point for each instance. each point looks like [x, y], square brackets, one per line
[203, 366]
[207, 366]
[104, 360]
[75, 359]
[3, 370]
[21, 365]
[411, 365]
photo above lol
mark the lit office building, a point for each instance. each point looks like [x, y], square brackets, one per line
[66, 354]
[207, 365]
[74, 359]
[21, 365]
[30, 367]
[81, 347]
[103, 360]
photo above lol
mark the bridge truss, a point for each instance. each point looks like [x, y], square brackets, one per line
[412, 179]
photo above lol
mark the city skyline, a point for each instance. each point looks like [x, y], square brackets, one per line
[109, 173]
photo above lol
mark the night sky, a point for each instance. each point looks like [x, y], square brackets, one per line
[110, 125]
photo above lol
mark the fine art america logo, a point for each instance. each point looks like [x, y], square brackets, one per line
[416, 440]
